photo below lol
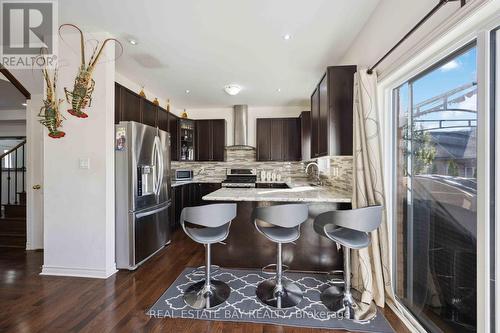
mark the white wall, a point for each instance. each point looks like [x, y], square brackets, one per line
[79, 203]
[12, 128]
[12, 123]
[253, 114]
[390, 21]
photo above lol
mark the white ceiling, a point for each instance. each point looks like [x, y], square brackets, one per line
[202, 45]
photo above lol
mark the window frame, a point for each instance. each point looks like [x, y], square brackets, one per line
[432, 55]
[395, 114]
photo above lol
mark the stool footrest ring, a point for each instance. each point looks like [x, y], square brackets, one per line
[267, 269]
[200, 270]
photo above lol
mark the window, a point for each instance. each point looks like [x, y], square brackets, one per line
[435, 179]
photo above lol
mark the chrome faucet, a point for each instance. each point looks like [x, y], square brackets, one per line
[318, 179]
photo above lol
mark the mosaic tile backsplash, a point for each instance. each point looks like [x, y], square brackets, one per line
[336, 171]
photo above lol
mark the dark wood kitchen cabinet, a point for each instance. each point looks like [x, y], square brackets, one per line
[173, 129]
[188, 195]
[314, 123]
[149, 112]
[291, 140]
[332, 113]
[323, 117]
[127, 105]
[210, 139]
[305, 135]
[202, 189]
[278, 139]
[163, 119]
[130, 106]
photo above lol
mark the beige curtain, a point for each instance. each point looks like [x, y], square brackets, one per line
[370, 266]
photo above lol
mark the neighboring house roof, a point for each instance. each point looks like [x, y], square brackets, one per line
[460, 144]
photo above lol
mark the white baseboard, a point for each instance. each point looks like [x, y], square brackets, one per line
[78, 272]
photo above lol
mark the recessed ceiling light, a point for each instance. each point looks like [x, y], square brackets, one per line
[232, 89]
[133, 41]
[188, 91]
[278, 90]
[287, 37]
[24, 104]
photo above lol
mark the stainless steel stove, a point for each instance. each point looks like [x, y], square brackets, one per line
[240, 178]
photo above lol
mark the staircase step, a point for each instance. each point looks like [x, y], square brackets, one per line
[15, 210]
[13, 224]
[13, 240]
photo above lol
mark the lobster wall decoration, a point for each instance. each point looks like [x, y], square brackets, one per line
[81, 95]
[49, 114]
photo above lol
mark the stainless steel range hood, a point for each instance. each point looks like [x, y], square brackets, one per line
[240, 120]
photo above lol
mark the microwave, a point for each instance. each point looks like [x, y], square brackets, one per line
[183, 174]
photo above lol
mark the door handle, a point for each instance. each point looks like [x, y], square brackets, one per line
[160, 166]
[36, 187]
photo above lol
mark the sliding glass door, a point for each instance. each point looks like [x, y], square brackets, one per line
[435, 197]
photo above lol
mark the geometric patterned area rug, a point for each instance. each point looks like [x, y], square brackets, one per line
[244, 306]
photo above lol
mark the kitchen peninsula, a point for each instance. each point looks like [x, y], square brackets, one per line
[247, 248]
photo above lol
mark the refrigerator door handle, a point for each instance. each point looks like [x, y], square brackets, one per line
[158, 164]
[151, 212]
[161, 165]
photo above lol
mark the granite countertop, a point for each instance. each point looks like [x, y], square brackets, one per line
[175, 183]
[299, 191]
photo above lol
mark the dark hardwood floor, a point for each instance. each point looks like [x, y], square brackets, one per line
[30, 302]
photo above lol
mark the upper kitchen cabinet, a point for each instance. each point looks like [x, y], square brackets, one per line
[210, 139]
[173, 129]
[305, 134]
[332, 113]
[162, 120]
[127, 105]
[130, 106]
[187, 139]
[278, 139]
[149, 112]
[314, 120]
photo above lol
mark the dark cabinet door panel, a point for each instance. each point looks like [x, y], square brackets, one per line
[118, 103]
[277, 140]
[314, 123]
[149, 113]
[332, 113]
[218, 139]
[341, 81]
[131, 108]
[263, 139]
[203, 140]
[173, 127]
[305, 134]
[291, 139]
[163, 120]
[323, 118]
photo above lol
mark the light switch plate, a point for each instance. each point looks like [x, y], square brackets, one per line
[84, 163]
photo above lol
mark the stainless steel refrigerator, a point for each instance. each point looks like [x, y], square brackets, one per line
[142, 187]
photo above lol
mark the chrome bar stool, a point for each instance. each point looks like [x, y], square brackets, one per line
[350, 229]
[281, 225]
[213, 223]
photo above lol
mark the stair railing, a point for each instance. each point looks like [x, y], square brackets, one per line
[10, 163]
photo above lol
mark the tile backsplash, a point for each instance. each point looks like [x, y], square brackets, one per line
[336, 171]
